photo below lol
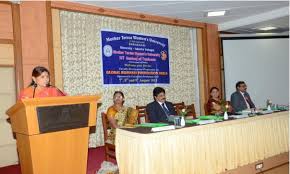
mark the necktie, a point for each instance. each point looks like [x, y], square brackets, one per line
[247, 101]
[165, 110]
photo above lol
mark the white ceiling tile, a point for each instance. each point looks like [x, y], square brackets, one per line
[195, 10]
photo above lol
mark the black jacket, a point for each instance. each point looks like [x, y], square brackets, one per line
[238, 102]
[156, 113]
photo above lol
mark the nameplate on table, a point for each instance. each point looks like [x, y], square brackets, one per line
[206, 122]
[163, 128]
[238, 116]
[266, 112]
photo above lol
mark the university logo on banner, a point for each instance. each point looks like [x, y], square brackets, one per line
[134, 59]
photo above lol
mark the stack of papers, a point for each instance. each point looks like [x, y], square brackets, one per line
[190, 121]
[163, 128]
[266, 112]
[152, 125]
[199, 121]
[245, 112]
[238, 116]
[206, 121]
[211, 117]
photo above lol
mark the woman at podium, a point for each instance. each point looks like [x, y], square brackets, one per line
[119, 115]
[40, 85]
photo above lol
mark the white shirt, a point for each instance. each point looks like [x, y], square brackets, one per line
[248, 106]
[164, 105]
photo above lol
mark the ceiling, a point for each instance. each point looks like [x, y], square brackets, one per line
[242, 17]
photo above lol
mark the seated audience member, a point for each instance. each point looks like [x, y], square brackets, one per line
[215, 105]
[159, 110]
[119, 115]
[240, 99]
[40, 85]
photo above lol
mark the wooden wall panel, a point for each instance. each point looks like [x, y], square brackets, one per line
[214, 65]
[33, 21]
[50, 42]
[7, 54]
[33, 25]
[57, 49]
[17, 48]
[83, 8]
[201, 71]
[208, 62]
[278, 164]
[6, 27]
[284, 169]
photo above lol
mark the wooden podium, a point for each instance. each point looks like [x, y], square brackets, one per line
[52, 133]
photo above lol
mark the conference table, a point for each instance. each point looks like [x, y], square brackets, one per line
[202, 149]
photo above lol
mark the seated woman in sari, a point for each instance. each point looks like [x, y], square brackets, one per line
[215, 105]
[119, 115]
[40, 86]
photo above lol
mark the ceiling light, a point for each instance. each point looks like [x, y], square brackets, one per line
[216, 13]
[267, 28]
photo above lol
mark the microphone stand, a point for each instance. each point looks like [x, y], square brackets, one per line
[35, 85]
[48, 85]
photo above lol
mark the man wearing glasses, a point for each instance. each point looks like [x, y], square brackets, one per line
[159, 110]
[241, 100]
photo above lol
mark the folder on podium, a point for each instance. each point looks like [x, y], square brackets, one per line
[52, 133]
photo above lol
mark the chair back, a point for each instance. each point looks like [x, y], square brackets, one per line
[132, 116]
[142, 115]
[105, 122]
[206, 111]
[191, 110]
[178, 106]
[110, 154]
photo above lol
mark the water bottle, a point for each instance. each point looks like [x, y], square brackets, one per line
[182, 122]
[226, 117]
[268, 104]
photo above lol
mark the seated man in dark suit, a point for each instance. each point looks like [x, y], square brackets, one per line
[159, 110]
[240, 99]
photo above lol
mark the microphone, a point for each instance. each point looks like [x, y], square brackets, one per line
[35, 85]
[49, 85]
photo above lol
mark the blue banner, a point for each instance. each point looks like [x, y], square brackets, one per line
[134, 59]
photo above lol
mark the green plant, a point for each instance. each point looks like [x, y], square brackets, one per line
[224, 105]
[183, 112]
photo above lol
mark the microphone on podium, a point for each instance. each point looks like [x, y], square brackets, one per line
[49, 85]
[35, 85]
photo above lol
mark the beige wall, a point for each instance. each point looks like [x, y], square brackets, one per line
[8, 153]
[7, 55]
[34, 46]
[6, 27]
[57, 49]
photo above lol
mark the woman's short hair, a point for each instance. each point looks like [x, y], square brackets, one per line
[157, 91]
[239, 83]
